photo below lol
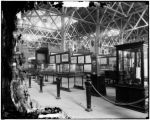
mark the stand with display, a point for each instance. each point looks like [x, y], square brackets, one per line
[107, 67]
[72, 66]
[132, 72]
[83, 66]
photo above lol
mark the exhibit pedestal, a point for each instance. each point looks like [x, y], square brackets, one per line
[99, 83]
[129, 94]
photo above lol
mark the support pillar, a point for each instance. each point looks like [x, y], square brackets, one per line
[97, 41]
[63, 30]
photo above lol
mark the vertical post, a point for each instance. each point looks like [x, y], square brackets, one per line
[82, 81]
[96, 44]
[58, 87]
[53, 78]
[68, 85]
[46, 78]
[142, 65]
[88, 93]
[29, 81]
[63, 30]
[41, 83]
[117, 66]
[74, 80]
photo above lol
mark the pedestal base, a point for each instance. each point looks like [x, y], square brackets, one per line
[58, 97]
[88, 109]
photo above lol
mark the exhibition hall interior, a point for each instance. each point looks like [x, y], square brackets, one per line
[72, 60]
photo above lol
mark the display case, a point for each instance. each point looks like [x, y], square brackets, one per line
[73, 66]
[42, 55]
[132, 72]
[107, 67]
[106, 63]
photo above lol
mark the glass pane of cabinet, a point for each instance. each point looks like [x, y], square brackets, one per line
[145, 65]
[133, 65]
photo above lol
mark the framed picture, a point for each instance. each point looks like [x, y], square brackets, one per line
[65, 67]
[80, 59]
[79, 68]
[52, 59]
[87, 68]
[74, 59]
[57, 58]
[58, 70]
[65, 57]
[102, 60]
[87, 59]
[112, 60]
[73, 68]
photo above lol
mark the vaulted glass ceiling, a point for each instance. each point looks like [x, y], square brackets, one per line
[118, 22]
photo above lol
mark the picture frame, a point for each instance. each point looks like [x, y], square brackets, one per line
[74, 59]
[80, 59]
[87, 67]
[52, 59]
[87, 59]
[58, 59]
[65, 57]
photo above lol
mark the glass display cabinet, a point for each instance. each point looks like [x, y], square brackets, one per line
[132, 72]
[107, 66]
[70, 66]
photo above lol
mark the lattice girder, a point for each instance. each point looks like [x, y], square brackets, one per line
[128, 17]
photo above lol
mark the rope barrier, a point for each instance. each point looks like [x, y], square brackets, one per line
[116, 102]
